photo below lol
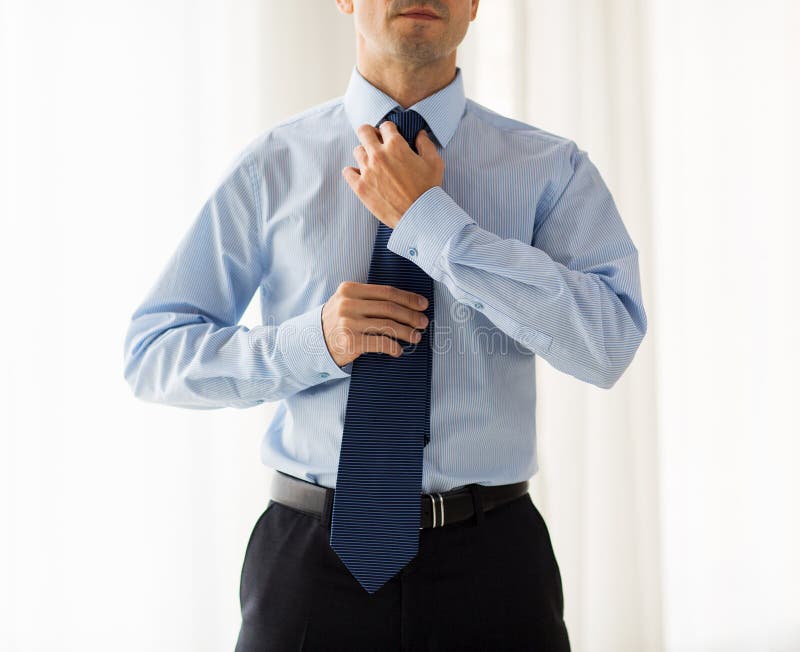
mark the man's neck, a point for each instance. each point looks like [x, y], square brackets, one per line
[404, 83]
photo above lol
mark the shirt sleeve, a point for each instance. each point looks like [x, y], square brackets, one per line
[572, 295]
[184, 346]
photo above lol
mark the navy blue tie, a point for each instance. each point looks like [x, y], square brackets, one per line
[375, 520]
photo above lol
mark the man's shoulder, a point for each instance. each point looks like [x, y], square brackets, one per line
[553, 152]
[307, 119]
[514, 128]
[305, 123]
[318, 112]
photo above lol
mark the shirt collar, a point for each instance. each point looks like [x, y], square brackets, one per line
[364, 103]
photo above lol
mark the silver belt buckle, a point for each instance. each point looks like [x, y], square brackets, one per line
[433, 507]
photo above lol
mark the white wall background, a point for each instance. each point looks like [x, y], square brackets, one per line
[672, 499]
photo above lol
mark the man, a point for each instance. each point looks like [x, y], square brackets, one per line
[404, 301]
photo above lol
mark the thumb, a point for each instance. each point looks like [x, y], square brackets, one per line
[424, 144]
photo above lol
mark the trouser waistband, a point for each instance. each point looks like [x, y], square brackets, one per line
[436, 509]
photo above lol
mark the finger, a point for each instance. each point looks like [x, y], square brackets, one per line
[361, 308]
[389, 132]
[351, 174]
[424, 143]
[390, 328]
[381, 344]
[360, 154]
[368, 136]
[390, 293]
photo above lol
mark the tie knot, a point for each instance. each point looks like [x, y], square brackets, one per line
[409, 123]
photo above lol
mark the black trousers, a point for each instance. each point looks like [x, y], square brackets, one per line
[489, 583]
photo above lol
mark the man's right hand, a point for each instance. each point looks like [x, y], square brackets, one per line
[363, 317]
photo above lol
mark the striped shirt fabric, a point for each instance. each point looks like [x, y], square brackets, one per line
[523, 240]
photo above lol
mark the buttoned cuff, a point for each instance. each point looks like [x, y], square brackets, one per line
[301, 341]
[426, 227]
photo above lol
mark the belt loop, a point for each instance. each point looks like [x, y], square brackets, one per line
[327, 509]
[477, 502]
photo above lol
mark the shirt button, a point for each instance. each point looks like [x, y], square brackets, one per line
[324, 374]
[478, 305]
[412, 252]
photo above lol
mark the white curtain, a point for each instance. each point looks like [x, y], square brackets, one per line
[672, 498]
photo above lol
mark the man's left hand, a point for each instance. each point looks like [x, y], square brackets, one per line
[392, 176]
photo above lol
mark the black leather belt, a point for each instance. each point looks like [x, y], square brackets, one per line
[438, 509]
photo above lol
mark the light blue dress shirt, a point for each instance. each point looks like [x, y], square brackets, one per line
[524, 242]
